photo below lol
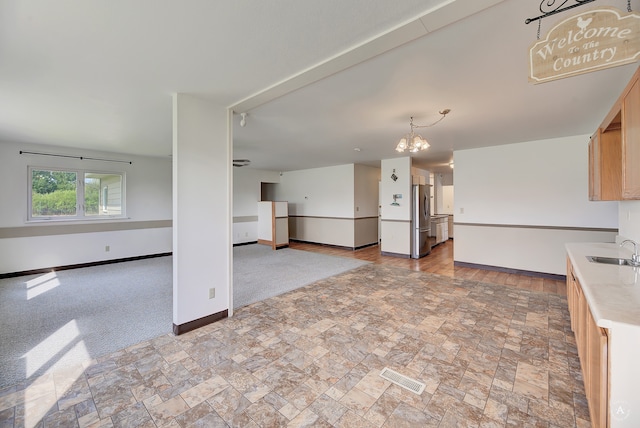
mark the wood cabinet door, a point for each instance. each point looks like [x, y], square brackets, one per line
[592, 343]
[605, 164]
[570, 291]
[610, 165]
[594, 167]
[581, 327]
[596, 377]
[631, 142]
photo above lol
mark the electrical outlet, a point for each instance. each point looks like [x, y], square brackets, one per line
[461, 210]
[212, 293]
[107, 248]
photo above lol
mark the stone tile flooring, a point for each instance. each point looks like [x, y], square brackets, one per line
[490, 356]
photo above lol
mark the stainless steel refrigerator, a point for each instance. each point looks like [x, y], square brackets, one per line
[420, 221]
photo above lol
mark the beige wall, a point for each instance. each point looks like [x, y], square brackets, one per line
[366, 231]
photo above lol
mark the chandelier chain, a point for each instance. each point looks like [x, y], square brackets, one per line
[444, 113]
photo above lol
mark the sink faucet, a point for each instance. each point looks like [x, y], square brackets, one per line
[635, 257]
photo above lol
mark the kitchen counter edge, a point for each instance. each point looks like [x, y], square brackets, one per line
[612, 292]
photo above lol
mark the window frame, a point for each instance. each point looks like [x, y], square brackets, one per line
[81, 214]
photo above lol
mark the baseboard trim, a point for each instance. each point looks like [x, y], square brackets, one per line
[342, 247]
[245, 243]
[403, 256]
[81, 265]
[200, 322]
[513, 271]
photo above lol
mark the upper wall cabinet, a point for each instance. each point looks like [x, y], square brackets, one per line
[614, 150]
[631, 139]
[605, 164]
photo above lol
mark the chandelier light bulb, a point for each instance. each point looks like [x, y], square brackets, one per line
[402, 145]
[415, 142]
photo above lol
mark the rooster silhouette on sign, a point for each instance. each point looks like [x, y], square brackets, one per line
[583, 23]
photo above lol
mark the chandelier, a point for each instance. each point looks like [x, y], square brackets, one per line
[415, 142]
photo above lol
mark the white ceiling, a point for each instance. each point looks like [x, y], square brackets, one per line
[316, 78]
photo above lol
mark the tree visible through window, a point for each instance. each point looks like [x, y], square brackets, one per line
[53, 193]
[75, 194]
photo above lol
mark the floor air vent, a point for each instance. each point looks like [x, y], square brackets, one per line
[402, 381]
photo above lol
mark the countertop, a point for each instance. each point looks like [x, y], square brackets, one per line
[612, 291]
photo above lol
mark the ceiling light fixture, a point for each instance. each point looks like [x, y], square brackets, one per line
[243, 121]
[416, 142]
[451, 164]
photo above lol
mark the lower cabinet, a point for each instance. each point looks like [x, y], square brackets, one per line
[593, 350]
[597, 387]
[440, 228]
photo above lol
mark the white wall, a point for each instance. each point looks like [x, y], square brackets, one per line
[539, 183]
[366, 194]
[320, 192]
[246, 195]
[401, 167]
[202, 205]
[366, 180]
[629, 219]
[534, 183]
[447, 200]
[321, 204]
[438, 194]
[36, 245]
[447, 178]
[396, 220]
[335, 205]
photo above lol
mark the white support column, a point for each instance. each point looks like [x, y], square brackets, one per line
[202, 250]
[396, 215]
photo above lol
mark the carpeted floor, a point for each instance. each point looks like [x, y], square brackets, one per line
[55, 320]
[260, 272]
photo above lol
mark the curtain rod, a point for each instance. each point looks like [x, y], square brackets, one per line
[24, 152]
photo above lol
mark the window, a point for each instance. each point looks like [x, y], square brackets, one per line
[75, 194]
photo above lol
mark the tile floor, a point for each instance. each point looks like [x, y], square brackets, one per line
[490, 355]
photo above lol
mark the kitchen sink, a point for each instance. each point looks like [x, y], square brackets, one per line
[610, 260]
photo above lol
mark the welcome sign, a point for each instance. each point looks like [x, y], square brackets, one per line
[593, 40]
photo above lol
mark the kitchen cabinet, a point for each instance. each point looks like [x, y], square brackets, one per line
[596, 380]
[577, 308]
[614, 149]
[631, 140]
[440, 228]
[592, 344]
[605, 164]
